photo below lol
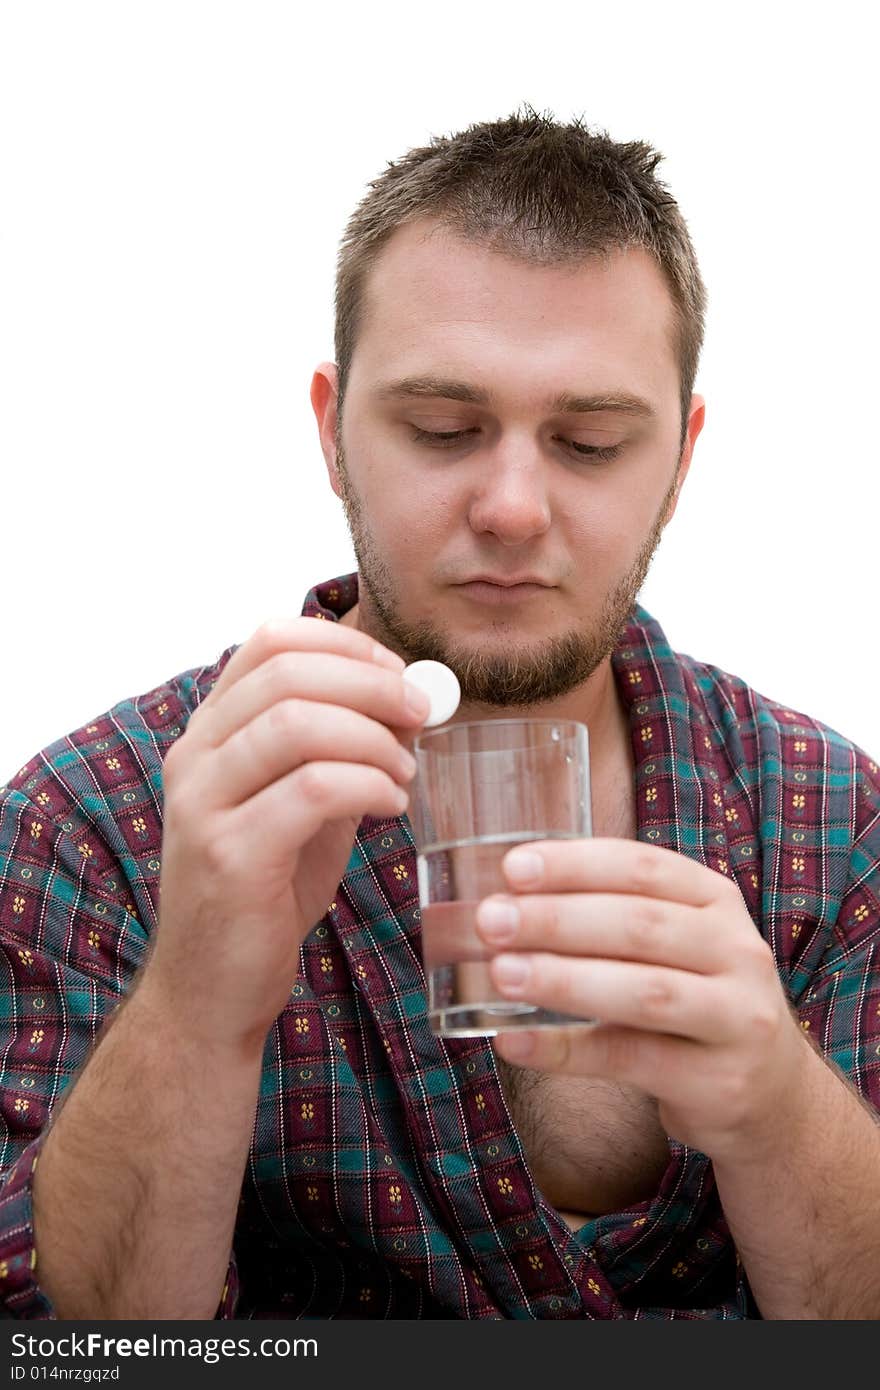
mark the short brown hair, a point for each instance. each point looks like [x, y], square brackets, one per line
[535, 189]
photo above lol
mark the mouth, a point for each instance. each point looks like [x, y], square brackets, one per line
[502, 591]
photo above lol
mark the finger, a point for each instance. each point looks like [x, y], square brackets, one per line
[648, 997]
[302, 635]
[293, 809]
[614, 866]
[448, 936]
[289, 735]
[658, 1065]
[611, 925]
[324, 677]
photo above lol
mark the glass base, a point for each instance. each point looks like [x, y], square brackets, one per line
[487, 1020]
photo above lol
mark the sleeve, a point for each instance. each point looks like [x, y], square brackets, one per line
[841, 1007]
[70, 947]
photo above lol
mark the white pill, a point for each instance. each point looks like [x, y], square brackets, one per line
[440, 685]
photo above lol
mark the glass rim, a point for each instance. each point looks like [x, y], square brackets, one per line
[573, 725]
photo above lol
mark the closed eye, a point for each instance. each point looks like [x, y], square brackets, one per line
[447, 439]
[440, 438]
[593, 451]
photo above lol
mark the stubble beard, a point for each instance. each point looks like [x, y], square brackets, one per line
[533, 675]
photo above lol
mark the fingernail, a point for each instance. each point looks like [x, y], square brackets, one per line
[524, 866]
[408, 764]
[416, 700]
[498, 919]
[510, 973]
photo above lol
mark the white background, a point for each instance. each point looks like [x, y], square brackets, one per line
[174, 181]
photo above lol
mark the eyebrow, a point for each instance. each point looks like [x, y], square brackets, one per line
[567, 403]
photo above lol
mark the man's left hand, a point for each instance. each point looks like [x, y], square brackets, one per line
[663, 953]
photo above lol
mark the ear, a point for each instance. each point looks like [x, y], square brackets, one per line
[324, 395]
[696, 420]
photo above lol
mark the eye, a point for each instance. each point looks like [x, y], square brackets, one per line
[447, 439]
[440, 439]
[593, 451]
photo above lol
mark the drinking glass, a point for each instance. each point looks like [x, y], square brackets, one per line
[482, 787]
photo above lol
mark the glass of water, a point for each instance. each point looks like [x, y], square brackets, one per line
[481, 788]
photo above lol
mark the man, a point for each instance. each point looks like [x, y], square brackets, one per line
[265, 1125]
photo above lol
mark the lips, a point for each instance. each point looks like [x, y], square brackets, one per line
[502, 591]
[507, 582]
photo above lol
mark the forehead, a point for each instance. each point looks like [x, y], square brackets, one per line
[433, 294]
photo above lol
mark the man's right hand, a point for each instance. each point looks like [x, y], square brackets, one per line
[264, 790]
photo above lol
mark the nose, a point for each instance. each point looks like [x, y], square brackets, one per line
[510, 500]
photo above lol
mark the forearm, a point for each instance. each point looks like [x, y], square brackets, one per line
[137, 1188]
[804, 1212]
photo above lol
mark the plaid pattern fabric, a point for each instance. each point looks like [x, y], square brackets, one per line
[385, 1179]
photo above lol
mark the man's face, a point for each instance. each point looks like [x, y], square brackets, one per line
[513, 548]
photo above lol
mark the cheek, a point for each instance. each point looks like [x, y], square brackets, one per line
[407, 503]
[603, 526]
[606, 533]
[406, 518]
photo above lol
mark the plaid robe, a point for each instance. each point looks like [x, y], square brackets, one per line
[385, 1178]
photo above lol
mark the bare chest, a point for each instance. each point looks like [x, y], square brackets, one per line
[592, 1146]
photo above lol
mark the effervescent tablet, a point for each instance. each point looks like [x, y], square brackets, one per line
[441, 687]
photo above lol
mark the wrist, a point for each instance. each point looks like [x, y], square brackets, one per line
[792, 1111]
[194, 1025]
